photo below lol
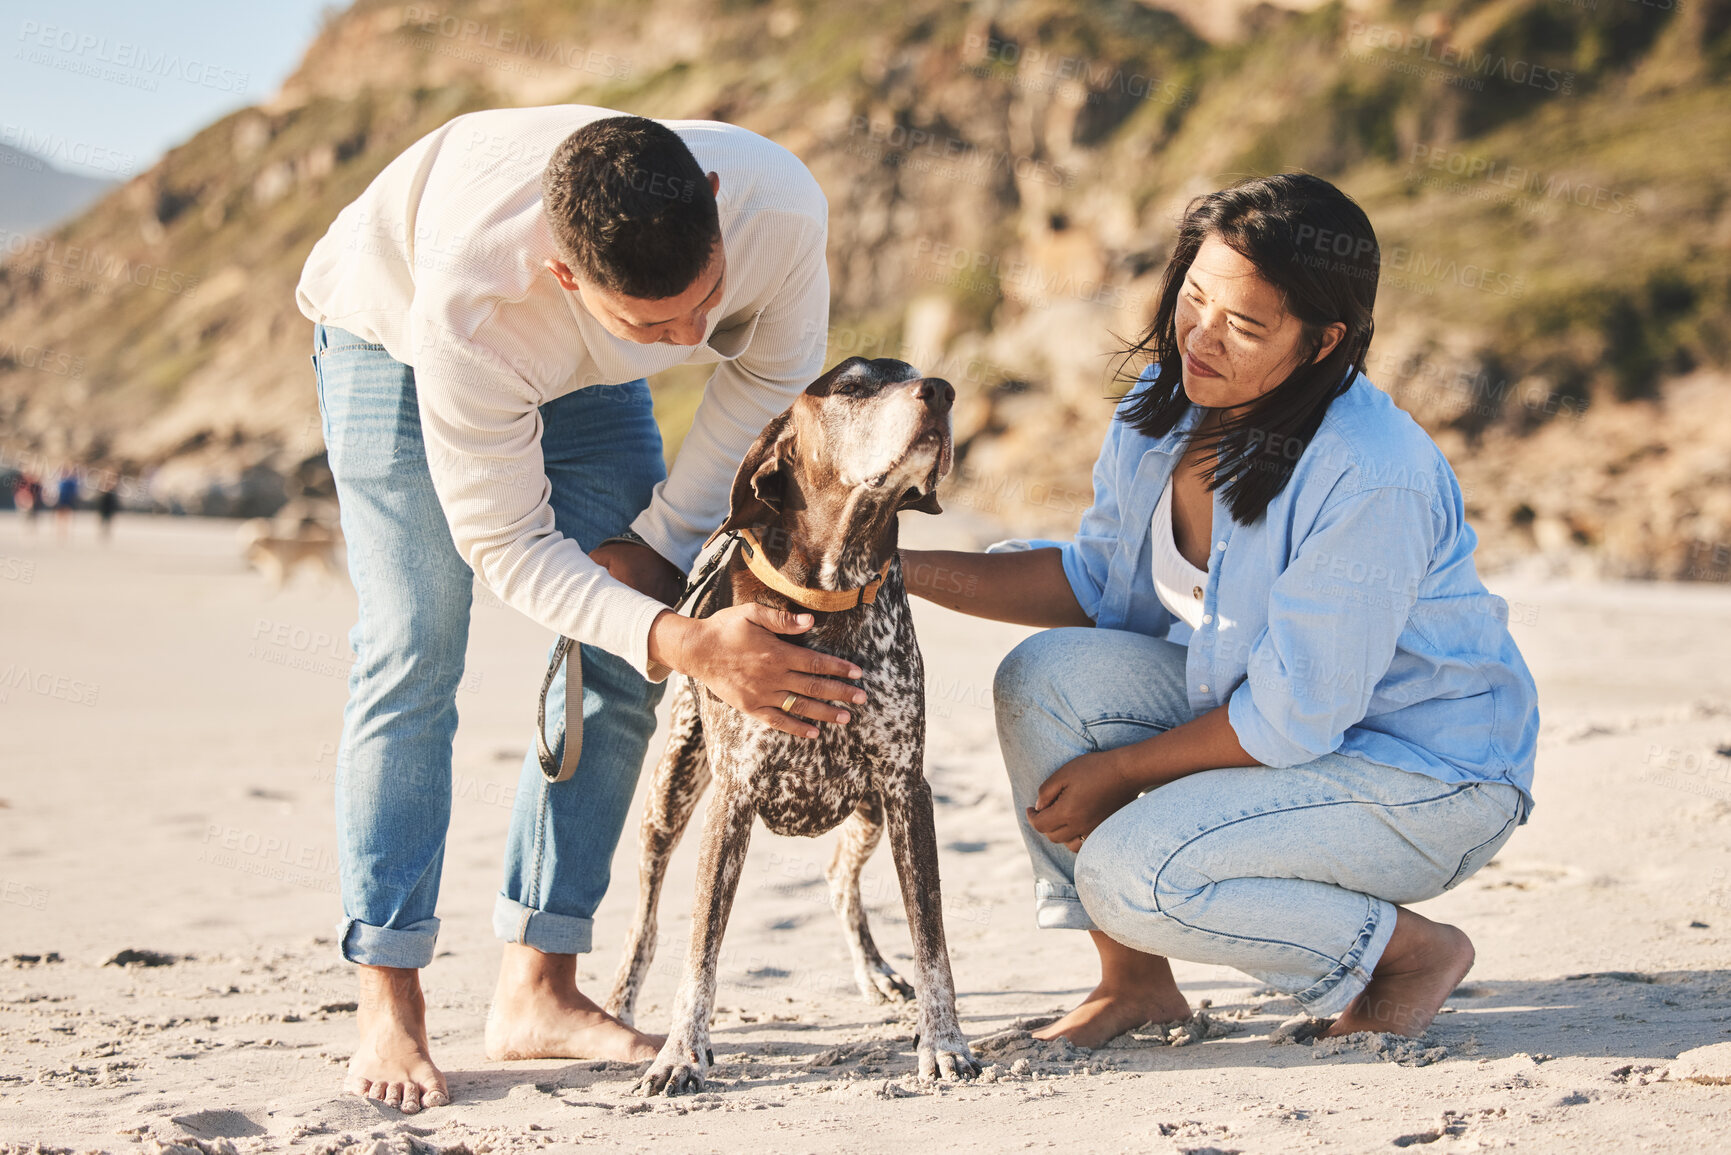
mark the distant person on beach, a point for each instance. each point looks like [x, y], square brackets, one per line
[487, 312]
[65, 502]
[27, 496]
[107, 502]
[1293, 709]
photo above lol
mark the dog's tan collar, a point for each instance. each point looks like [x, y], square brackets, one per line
[825, 601]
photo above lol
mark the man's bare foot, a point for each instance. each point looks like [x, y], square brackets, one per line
[538, 1013]
[393, 1062]
[1135, 988]
[1420, 968]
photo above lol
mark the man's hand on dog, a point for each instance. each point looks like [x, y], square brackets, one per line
[1082, 794]
[737, 655]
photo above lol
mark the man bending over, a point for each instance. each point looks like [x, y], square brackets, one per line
[486, 313]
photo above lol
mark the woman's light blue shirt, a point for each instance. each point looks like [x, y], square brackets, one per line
[1348, 618]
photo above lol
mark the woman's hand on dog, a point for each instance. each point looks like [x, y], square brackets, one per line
[1082, 794]
[736, 654]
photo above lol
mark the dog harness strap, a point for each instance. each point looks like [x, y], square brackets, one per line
[700, 581]
[558, 770]
[825, 601]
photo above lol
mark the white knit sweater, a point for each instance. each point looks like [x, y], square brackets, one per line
[440, 261]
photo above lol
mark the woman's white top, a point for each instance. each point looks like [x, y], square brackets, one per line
[1179, 584]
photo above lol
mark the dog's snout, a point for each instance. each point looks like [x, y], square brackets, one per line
[935, 392]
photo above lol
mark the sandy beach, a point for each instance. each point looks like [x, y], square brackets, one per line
[168, 899]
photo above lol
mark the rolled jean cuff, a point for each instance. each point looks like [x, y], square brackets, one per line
[409, 947]
[1056, 907]
[547, 932]
[1334, 992]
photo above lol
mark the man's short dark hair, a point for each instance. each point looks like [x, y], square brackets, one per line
[631, 208]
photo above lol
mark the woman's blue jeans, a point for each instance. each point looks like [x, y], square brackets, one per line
[1290, 875]
[393, 785]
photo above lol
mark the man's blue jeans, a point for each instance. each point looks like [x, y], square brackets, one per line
[393, 784]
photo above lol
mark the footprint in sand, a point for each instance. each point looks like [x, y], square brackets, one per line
[146, 958]
[1500, 875]
[326, 1114]
[1390, 1048]
[1452, 1127]
[218, 1124]
[1612, 976]
[30, 960]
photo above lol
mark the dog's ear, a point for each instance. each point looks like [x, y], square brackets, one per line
[760, 487]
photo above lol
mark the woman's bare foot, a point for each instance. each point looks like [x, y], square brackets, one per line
[393, 1063]
[1135, 988]
[1420, 968]
[538, 1013]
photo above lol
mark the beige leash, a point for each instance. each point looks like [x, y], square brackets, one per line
[561, 768]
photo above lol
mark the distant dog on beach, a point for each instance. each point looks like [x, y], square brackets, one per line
[277, 553]
[814, 504]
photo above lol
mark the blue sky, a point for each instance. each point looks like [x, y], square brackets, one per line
[104, 87]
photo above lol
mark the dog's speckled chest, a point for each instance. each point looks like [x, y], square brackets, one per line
[802, 786]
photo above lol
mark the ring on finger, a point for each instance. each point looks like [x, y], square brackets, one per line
[788, 703]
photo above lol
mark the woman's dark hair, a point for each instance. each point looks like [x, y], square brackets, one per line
[630, 207]
[1313, 243]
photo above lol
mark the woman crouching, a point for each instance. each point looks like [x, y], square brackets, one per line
[1294, 709]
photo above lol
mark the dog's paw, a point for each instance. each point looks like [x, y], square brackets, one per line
[947, 1059]
[677, 1070]
[670, 1079]
[883, 985]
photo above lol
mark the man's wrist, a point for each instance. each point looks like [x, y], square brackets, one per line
[627, 537]
[669, 639]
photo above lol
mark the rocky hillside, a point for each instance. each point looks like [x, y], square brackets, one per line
[1548, 180]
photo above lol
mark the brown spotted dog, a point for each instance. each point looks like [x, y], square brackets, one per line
[818, 494]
